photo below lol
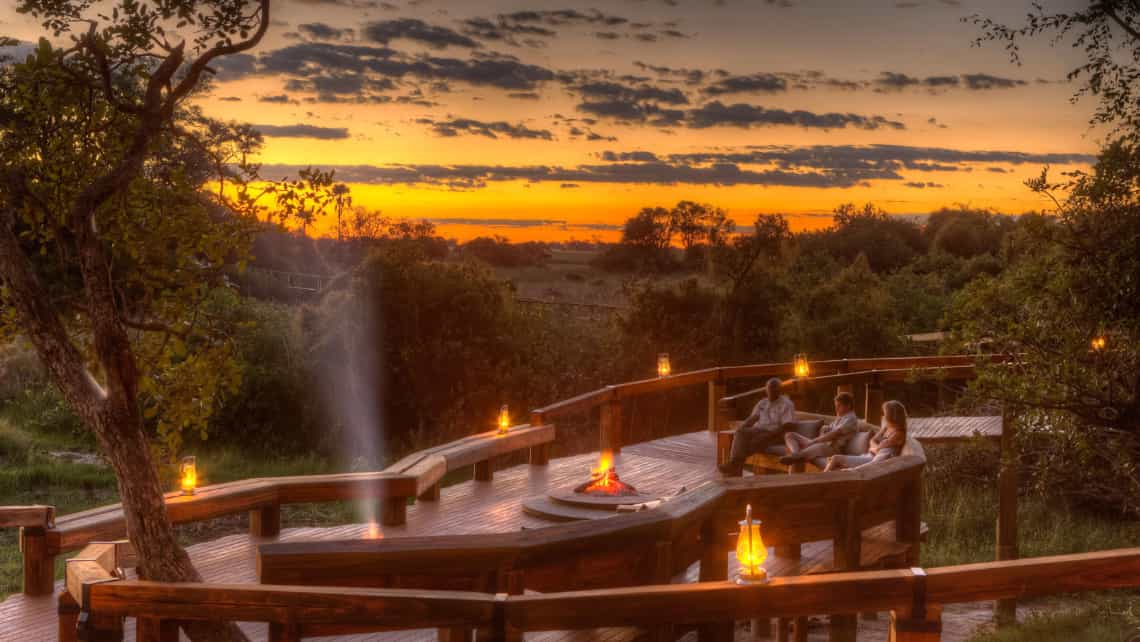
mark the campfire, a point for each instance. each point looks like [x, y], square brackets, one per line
[604, 480]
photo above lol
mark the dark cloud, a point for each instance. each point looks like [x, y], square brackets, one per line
[351, 4]
[986, 81]
[322, 31]
[524, 95]
[717, 114]
[417, 30]
[230, 99]
[640, 93]
[922, 185]
[894, 80]
[754, 83]
[998, 170]
[688, 76]
[302, 131]
[876, 157]
[278, 98]
[460, 126]
[234, 66]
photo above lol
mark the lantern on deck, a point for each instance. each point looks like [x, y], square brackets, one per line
[504, 419]
[663, 367]
[802, 369]
[188, 475]
[751, 551]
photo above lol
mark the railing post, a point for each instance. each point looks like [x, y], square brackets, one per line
[265, 521]
[431, 494]
[920, 621]
[39, 561]
[908, 519]
[284, 632]
[484, 470]
[847, 550]
[1005, 611]
[714, 568]
[153, 629]
[540, 455]
[68, 611]
[97, 628]
[662, 574]
[717, 390]
[873, 410]
[611, 428]
[393, 510]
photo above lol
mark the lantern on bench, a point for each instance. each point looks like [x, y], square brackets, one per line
[663, 367]
[802, 369]
[504, 419]
[751, 551]
[188, 475]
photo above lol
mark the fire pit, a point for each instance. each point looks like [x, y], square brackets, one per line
[597, 497]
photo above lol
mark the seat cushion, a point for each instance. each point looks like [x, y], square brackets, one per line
[859, 443]
[808, 428]
[776, 449]
[819, 462]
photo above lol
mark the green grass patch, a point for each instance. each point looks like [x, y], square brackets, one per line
[1103, 618]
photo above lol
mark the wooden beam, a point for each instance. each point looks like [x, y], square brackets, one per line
[1005, 611]
[717, 391]
[611, 427]
[39, 561]
[27, 516]
[484, 470]
[265, 521]
[1119, 568]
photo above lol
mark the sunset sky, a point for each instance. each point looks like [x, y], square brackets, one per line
[554, 120]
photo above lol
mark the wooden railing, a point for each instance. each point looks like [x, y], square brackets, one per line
[915, 597]
[419, 474]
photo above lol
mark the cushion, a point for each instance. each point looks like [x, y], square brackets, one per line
[858, 443]
[820, 462]
[809, 428]
[776, 449]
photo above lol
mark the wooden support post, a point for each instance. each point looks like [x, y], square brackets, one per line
[484, 470]
[911, 627]
[662, 574]
[790, 551]
[714, 568]
[717, 390]
[68, 611]
[431, 494]
[540, 455]
[873, 398]
[456, 635]
[498, 630]
[152, 629]
[847, 549]
[284, 632]
[1005, 611]
[908, 521]
[39, 562]
[394, 511]
[611, 426]
[515, 585]
[265, 521]
[97, 628]
[783, 628]
[800, 629]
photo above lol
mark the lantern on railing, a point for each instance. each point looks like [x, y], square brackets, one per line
[504, 419]
[1099, 342]
[663, 367]
[188, 475]
[751, 551]
[801, 367]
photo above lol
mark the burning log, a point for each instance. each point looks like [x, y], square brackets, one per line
[604, 480]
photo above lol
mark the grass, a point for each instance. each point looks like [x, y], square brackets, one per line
[1102, 619]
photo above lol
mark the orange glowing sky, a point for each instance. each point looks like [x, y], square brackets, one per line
[552, 120]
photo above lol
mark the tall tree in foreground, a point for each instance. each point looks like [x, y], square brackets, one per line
[110, 239]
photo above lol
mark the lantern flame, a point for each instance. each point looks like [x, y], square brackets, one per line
[663, 366]
[1099, 342]
[373, 531]
[802, 369]
[504, 419]
[750, 549]
[188, 474]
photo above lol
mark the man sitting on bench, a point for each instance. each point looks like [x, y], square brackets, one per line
[832, 440]
[761, 429]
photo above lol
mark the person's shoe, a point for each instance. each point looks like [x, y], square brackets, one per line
[791, 459]
[728, 470]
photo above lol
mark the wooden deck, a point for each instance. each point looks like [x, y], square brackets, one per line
[660, 467]
[935, 430]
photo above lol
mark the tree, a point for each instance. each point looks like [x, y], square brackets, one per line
[889, 242]
[1109, 32]
[105, 170]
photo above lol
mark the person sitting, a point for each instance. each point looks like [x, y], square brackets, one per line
[887, 442]
[831, 440]
[761, 429]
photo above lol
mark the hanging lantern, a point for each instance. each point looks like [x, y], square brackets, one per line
[751, 551]
[1099, 342]
[188, 475]
[663, 367]
[504, 419]
[802, 369]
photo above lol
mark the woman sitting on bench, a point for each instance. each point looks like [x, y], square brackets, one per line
[886, 443]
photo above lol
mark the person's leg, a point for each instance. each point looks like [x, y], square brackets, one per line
[795, 442]
[839, 462]
[806, 453]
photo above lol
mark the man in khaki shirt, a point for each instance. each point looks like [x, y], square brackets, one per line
[832, 440]
[761, 429]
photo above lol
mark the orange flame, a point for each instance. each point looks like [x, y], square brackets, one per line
[374, 531]
[604, 479]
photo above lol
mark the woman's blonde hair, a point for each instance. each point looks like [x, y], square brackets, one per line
[895, 414]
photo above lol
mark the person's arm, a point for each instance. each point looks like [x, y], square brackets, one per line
[754, 417]
[789, 414]
[895, 440]
[840, 429]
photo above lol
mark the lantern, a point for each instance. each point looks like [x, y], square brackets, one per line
[663, 367]
[1099, 342]
[750, 551]
[801, 366]
[188, 475]
[504, 419]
